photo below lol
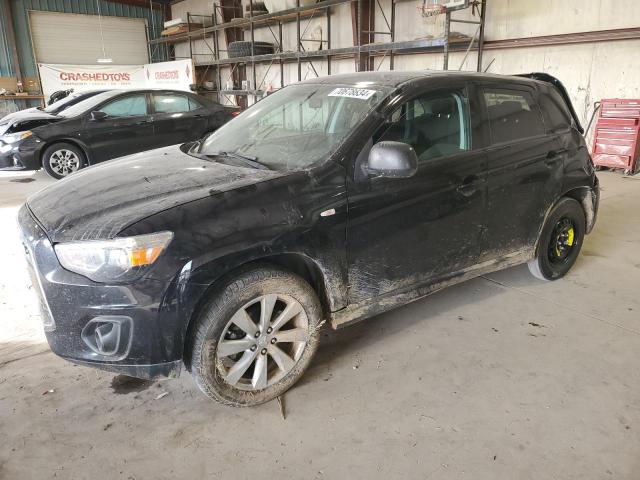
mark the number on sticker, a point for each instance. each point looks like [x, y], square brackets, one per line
[361, 93]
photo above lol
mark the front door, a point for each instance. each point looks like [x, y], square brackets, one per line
[413, 231]
[524, 170]
[127, 128]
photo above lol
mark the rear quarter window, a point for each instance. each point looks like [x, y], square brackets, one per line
[513, 115]
[556, 116]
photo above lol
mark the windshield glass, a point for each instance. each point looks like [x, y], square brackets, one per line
[66, 102]
[295, 127]
[86, 105]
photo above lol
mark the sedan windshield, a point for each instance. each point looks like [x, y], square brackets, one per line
[295, 127]
[68, 101]
[87, 104]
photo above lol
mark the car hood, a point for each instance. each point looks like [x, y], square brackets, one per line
[17, 114]
[99, 202]
[25, 115]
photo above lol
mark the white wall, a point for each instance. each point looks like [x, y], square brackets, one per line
[590, 71]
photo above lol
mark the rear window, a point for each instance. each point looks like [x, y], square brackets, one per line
[513, 115]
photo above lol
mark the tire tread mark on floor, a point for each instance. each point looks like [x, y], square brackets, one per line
[594, 317]
[4, 364]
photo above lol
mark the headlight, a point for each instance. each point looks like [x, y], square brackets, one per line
[16, 137]
[117, 260]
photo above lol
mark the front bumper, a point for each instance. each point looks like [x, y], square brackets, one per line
[9, 157]
[21, 155]
[132, 329]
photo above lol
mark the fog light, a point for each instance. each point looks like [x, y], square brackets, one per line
[108, 336]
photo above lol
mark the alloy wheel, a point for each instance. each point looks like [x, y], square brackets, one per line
[262, 342]
[63, 162]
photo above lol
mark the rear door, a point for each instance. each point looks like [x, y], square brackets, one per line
[524, 168]
[404, 232]
[127, 129]
[178, 118]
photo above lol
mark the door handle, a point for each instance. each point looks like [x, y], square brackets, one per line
[142, 122]
[469, 186]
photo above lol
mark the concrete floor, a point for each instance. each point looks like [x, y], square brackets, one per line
[503, 377]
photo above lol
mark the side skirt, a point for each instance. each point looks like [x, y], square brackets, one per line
[375, 306]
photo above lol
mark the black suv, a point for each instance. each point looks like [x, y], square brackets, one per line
[336, 198]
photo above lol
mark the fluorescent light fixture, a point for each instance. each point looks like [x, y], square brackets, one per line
[105, 60]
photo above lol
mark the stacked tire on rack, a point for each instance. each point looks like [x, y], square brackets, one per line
[243, 49]
[258, 9]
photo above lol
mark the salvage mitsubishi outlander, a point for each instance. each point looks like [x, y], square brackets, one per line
[333, 199]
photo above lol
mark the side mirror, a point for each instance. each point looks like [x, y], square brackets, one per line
[392, 160]
[98, 116]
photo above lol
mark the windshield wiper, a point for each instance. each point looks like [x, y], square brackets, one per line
[234, 155]
[246, 159]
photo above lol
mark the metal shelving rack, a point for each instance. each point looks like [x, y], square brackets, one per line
[322, 8]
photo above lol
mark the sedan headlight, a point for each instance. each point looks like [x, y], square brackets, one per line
[117, 260]
[16, 137]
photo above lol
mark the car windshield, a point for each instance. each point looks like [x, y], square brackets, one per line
[295, 127]
[87, 104]
[69, 101]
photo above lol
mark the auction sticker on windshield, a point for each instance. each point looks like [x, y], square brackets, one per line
[361, 93]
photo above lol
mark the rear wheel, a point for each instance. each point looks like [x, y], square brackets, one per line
[560, 241]
[256, 337]
[62, 159]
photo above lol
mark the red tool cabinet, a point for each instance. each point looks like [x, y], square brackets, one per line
[616, 142]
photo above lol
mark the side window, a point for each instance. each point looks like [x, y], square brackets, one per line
[554, 110]
[513, 115]
[435, 125]
[171, 103]
[194, 105]
[129, 106]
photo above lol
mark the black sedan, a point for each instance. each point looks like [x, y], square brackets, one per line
[109, 125]
[12, 122]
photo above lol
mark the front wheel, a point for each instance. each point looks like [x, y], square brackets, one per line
[560, 241]
[62, 159]
[256, 337]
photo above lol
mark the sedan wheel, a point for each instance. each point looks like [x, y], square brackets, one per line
[62, 159]
[63, 162]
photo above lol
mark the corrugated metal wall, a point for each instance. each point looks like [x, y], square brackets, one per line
[6, 68]
[20, 10]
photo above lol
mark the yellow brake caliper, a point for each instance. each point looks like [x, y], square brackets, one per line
[570, 236]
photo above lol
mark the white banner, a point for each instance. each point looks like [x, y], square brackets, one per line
[176, 75]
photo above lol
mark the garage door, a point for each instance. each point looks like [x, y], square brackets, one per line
[75, 39]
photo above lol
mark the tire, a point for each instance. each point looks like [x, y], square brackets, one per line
[560, 241]
[62, 159]
[259, 8]
[243, 49]
[234, 379]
